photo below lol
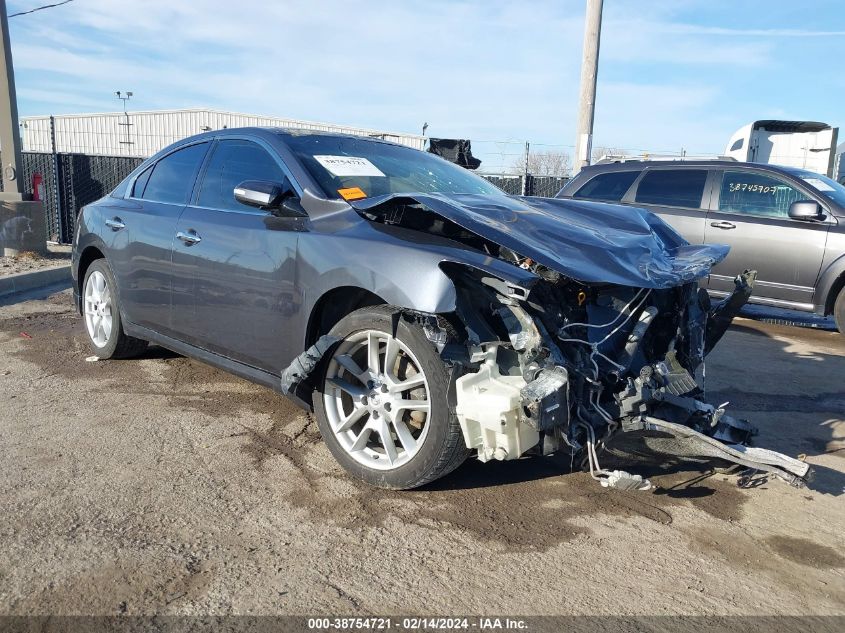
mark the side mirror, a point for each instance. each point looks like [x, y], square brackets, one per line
[805, 210]
[277, 197]
[260, 193]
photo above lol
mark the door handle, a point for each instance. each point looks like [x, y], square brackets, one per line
[115, 224]
[190, 238]
[723, 225]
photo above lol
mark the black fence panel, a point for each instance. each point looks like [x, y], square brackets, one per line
[85, 178]
[36, 163]
[69, 182]
[544, 186]
[507, 183]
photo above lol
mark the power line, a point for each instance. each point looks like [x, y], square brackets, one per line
[41, 8]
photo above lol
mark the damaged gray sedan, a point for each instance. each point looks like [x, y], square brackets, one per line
[421, 313]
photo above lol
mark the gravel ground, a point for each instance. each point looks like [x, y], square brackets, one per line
[28, 261]
[161, 485]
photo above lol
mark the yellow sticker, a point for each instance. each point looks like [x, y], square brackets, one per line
[352, 193]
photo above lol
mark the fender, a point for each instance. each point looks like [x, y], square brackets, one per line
[828, 286]
[425, 285]
[84, 240]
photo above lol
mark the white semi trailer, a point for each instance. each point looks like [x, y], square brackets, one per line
[804, 144]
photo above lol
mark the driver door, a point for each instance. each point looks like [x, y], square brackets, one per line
[234, 290]
[751, 215]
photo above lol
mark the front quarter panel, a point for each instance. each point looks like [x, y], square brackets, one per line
[401, 266]
[832, 269]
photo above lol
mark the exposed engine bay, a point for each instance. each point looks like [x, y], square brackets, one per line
[579, 364]
[564, 364]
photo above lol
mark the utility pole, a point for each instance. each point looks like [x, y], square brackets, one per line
[22, 221]
[589, 75]
[10, 142]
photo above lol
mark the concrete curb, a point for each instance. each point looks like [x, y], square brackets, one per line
[20, 282]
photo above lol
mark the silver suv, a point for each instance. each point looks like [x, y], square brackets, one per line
[787, 224]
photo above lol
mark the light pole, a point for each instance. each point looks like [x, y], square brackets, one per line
[125, 97]
[589, 75]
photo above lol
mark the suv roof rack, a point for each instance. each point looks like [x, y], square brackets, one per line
[644, 158]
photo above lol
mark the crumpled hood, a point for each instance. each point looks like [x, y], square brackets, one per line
[587, 241]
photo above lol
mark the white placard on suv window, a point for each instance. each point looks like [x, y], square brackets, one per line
[348, 166]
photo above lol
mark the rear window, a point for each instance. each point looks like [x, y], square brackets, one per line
[673, 187]
[172, 177]
[610, 186]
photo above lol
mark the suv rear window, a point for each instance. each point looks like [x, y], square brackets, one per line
[610, 186]
[673, 187]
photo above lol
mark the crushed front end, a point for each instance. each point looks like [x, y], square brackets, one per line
[566, 366]
[607, 334]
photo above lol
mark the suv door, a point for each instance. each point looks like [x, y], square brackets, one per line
[234, 282]
[679, 195]
[751, 214]
[142, 228]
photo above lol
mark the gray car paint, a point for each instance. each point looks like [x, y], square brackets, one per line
[801, 264]
[245, 293]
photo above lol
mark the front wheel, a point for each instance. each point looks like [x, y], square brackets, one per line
[839, 311]
[383, 406]
[102, 315]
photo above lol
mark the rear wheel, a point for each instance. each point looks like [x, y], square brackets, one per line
[383, 406]
[839, 311]
[102, 315]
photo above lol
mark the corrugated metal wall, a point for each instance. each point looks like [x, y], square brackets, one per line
[145, 133]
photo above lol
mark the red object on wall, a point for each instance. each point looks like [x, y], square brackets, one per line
[37, 186]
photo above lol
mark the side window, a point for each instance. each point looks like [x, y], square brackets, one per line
[233, 162]
[673, 187]
[172, 177]
[737, 145]
[141, 182]
[757, 194]
[610, 186]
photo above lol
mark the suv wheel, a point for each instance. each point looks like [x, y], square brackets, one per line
[383, 406]
[102, 315]
[839, 311]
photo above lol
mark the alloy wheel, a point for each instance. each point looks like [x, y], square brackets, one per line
[98, 308]
[377, 400]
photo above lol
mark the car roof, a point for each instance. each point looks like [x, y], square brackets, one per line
[296, 131]
[635, 165]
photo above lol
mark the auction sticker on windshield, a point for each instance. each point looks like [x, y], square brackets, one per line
[348, 166]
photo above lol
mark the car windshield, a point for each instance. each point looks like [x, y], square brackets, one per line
[828, 187]
[352, 168]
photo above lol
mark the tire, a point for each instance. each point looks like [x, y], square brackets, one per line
[839, 311]
[101, 314]
[427, 442]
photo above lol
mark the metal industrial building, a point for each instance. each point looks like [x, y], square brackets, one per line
[144, 133]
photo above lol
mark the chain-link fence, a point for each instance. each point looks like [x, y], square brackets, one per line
[84, 179]
[517, 185]
[70, 181]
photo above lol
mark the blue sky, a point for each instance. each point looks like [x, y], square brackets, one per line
[673, 74]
